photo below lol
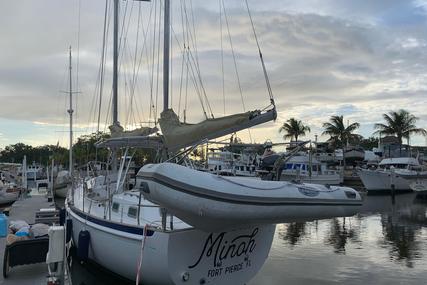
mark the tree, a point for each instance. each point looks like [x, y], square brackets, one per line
[340, 134]
[401, 124]
[42, 154]
[85, 150]
[369, 143]
[294, 128]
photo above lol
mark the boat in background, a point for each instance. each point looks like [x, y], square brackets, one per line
[228, 163]
[391, 173]
[353, 154]
[304, 168]
[62, 183]
[9, 192]
[301, 167]
[35, 172]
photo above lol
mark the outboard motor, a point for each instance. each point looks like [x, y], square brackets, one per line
[267, 166]
[267, 162]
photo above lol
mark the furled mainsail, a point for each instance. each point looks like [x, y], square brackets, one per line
[118, 131]
[178, 135]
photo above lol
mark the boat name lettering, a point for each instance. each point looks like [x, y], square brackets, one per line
[308, 192]
[221, 248]
[228, 269]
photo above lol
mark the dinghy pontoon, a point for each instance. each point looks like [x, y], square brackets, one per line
[211, 202]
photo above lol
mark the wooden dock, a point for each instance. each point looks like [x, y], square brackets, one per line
[25, 209]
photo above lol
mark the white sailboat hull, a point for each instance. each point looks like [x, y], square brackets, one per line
[231, 257]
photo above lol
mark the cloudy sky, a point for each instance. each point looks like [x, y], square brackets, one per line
[354, 58]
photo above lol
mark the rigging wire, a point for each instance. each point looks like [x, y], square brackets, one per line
[153, 56]
[222, 55]
[267, 80]
[92, 117]
[182, 65]
[192, 38]
[144, 48]
[158, 63]
[103, 54]
[134, 63]
[78, 62]
[235, 63]
[234, 56]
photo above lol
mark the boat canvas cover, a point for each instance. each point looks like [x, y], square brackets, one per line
[118, 131]
[400, 160]
[177, 134]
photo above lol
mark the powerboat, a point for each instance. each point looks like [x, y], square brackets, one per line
[397, 173]
[309, 170]
[228, 163]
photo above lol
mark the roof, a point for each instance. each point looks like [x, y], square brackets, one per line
[389, 140]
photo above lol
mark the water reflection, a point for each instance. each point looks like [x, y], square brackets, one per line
[401, 232]
[293, 233]
[340, 233]
[397, 225]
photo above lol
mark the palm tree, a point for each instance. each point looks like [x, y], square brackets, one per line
[401, 124]
[294, 128]
[340, 134]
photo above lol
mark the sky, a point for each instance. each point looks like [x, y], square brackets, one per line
[359, 59]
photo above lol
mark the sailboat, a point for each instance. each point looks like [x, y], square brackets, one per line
[63, 180]
[178, 225]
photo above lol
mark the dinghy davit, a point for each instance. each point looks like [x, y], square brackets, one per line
[211, 202]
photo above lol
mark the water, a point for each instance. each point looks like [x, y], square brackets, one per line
[385, 244]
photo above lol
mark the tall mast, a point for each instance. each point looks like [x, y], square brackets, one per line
[70, 111]
[166, 43]
[115, 59]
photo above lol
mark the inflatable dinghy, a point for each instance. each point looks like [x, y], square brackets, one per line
[211, 202]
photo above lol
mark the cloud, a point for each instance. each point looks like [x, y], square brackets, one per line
[355, 58]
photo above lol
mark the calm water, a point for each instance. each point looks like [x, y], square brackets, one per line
[385, 244]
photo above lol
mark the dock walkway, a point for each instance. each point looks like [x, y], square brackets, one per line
[33, 274]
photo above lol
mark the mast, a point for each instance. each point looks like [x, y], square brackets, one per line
[115, 59]
[166, 46]
[70, 111]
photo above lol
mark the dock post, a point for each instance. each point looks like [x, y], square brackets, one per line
[392, 187]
